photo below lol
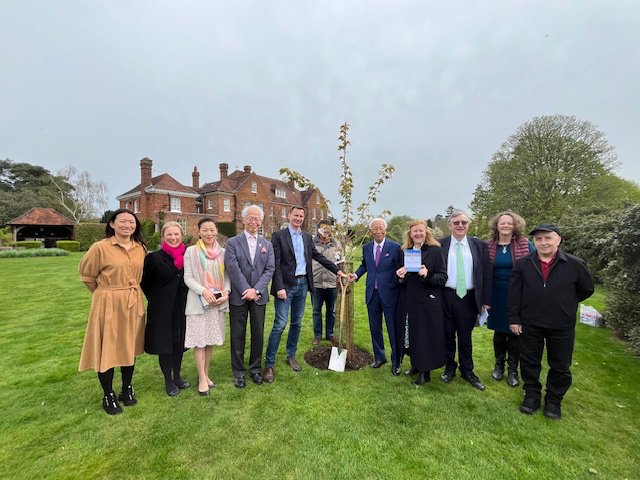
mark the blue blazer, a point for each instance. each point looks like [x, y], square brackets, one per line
[482, 270]
[384, 274]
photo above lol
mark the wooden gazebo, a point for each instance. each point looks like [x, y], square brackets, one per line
[43, 224]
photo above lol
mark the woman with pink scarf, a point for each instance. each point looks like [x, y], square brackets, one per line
[163, 285]
[207, 299]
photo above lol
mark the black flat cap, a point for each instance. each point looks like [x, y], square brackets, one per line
[545, 227]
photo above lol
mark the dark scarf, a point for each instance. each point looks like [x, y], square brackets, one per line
[519, 248]
[177, 253]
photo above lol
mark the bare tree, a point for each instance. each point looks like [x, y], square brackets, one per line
[86, 199]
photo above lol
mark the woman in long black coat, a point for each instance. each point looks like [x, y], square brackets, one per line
[163, 285]
[420, 302]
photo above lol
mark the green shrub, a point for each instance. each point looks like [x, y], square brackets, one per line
[34, 252]
[228, 229]
[89, 233]
[68, 245]
[623, 276]
[152, 241]
[29, 244]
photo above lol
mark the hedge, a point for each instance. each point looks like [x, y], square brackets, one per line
[68, 245]
[28, 244]
[34, 252]
[88, 233]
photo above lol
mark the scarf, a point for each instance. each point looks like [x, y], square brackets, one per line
[212, 277]
[519, 248]
[177, 253]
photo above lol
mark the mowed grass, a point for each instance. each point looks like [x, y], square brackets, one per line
[312, 424]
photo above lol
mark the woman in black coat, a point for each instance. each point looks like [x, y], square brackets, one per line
[420, 302]
[163, 285]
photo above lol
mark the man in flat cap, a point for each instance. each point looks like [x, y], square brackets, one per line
[544, 291]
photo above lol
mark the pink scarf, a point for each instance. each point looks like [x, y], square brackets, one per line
[177, 253]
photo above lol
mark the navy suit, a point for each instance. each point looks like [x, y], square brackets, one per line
[382, 295]
[460, 313]
[245, 274]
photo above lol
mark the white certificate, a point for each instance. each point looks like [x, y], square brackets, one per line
[412, 260]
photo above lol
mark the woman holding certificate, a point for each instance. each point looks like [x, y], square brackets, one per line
[421, 280]
[207, 299]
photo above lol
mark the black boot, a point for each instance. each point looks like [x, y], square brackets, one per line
[423, 378]
[512, 376]
[498, 369]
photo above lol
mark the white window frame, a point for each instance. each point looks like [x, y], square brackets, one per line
[283, 212]
[176, 204]
[254, 187]
[209, 203]
[226, 204]
[281, 193]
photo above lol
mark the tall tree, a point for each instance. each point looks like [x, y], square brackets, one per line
[24, 186]
[543, 170]
[85, 199]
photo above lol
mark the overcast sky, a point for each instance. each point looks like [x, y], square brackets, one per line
[433, 88]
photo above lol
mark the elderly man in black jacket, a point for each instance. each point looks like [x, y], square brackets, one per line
[544, 291]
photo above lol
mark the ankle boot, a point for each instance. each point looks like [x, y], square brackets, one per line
[498, 369]
[512, 376]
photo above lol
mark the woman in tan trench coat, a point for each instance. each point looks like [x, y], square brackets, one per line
[112, 269]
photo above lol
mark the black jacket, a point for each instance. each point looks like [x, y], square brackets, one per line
[551, 304]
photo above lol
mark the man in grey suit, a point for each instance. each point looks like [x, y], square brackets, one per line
[250, 263]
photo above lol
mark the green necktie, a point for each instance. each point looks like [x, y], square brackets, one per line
[461, 280]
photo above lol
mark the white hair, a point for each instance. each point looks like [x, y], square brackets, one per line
[245, 211]
[377, 219]
[457, 213]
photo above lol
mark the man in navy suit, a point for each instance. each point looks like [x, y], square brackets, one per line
[467, 293]
[380, 260]
[250, 262]
[293, 277]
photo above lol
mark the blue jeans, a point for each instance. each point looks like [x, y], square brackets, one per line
[326, 296]
[296, 299]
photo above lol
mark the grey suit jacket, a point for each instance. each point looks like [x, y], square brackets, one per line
[243, 273]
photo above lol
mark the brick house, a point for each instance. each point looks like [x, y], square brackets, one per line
[163, 198]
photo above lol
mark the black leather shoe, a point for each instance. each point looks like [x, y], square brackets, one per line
[529, 405]
[110, 404]
[395, 371]
[423, 378]
[239, 382]
[182, 383]
[171, 389]
[257, 378]
[552, 410]
[447, 376]
[378, 363]
[411, 371]
[473, 380]
[128, 396]
[205, 393]
[512, 378]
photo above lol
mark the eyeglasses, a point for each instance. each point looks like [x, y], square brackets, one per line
[252, 219]
[460, 222]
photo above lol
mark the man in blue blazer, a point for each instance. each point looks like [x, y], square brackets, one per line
[467, 293]
[294, 251]
[380, 260]
[249, 262]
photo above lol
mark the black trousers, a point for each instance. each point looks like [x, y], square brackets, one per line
[238, 332]
[559, 352]
[504, 343]
[460, 316]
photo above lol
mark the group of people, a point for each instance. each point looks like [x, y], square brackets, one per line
[431, 294]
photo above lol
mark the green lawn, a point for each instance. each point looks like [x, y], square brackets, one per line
[313, 424]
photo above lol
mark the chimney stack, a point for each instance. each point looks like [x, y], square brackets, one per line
[195, 178]
[247, 169]
[224, 169]
[145, 172]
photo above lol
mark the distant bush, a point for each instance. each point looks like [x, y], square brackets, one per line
[152, 241]
[28, 244]
[89, 233]
[227, 229]
[34, 252]
[68, 245]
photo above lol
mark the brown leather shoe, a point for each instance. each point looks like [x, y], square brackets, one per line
[268, 375]
[333, 340]
[293, 363]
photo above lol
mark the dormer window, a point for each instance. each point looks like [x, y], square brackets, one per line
[281, 193]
